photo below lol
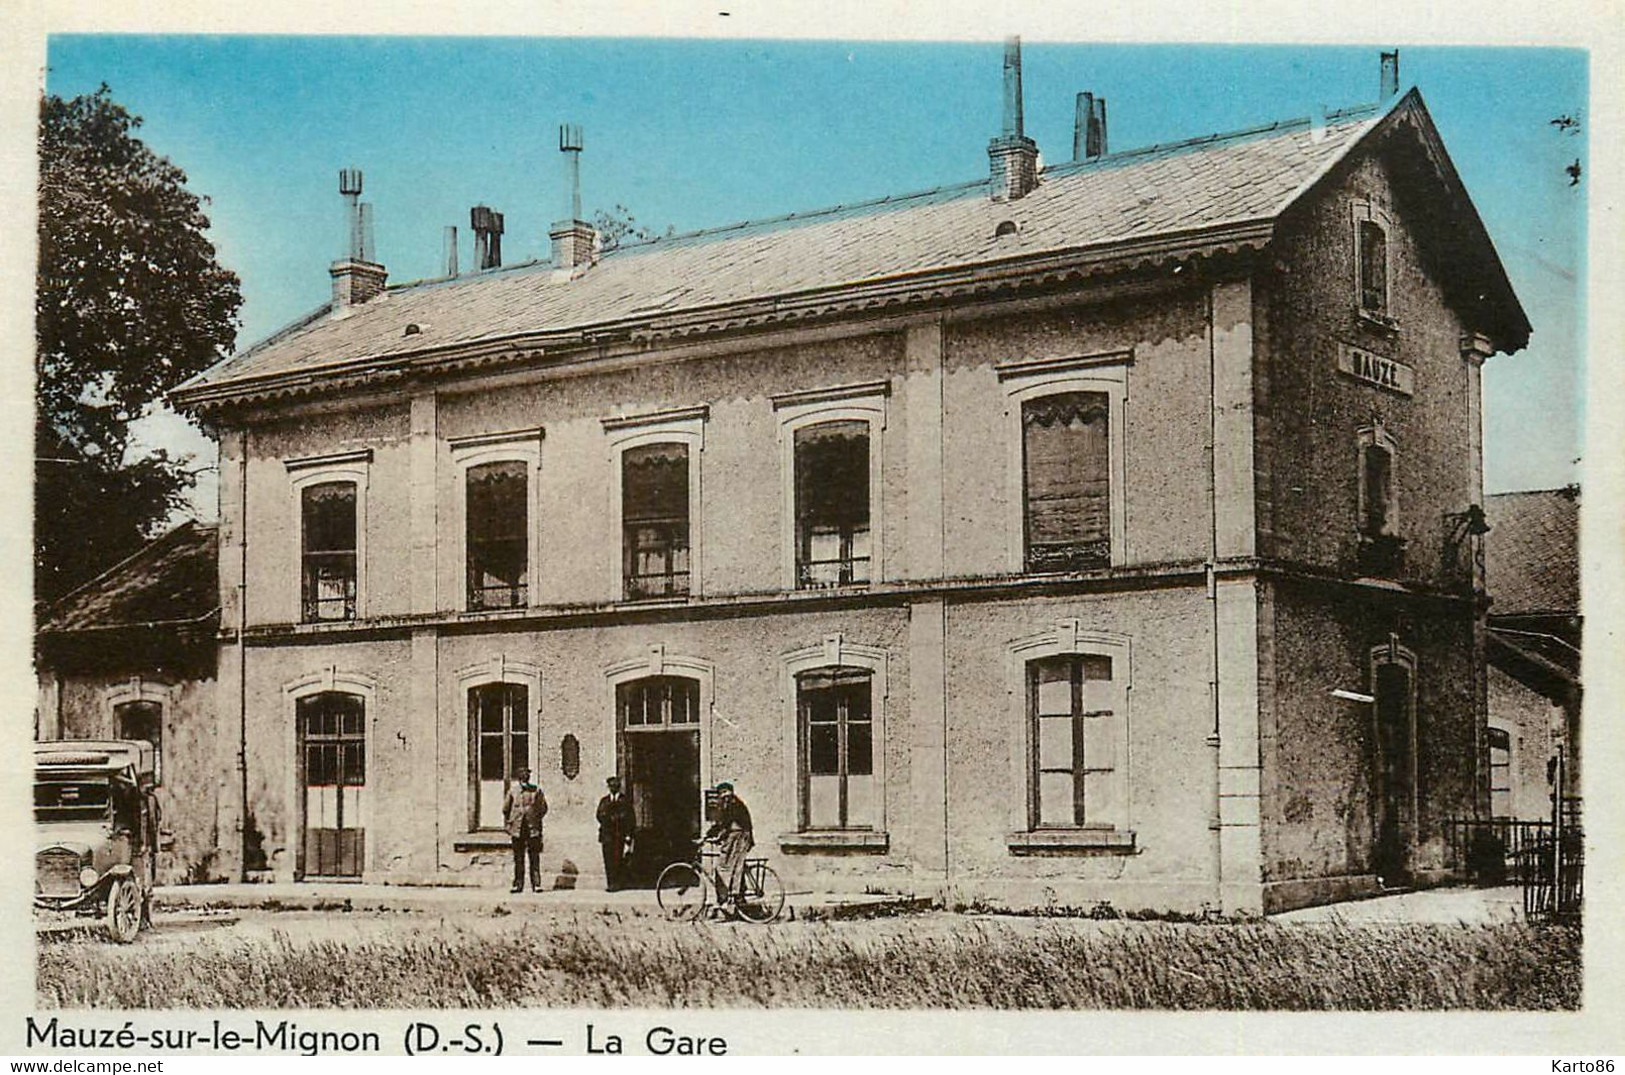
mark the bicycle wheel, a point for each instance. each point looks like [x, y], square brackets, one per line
[763, 898]
[680, 891]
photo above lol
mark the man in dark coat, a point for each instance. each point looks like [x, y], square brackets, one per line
[523, 808]
[734, 836]
[614, 832]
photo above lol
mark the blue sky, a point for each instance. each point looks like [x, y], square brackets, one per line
[695, 133]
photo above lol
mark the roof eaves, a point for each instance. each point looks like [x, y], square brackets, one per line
[755, 311]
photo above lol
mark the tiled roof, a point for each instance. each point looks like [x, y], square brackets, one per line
[1532, 552]
[1169, 190]
[170, 581]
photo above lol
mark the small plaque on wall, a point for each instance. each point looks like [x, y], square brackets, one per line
[1373, 369]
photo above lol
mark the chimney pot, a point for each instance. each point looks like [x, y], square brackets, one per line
[1012, 156]
[450, 248]
[356, 276]
[486, 223]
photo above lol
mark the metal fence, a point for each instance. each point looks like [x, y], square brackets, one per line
[1545, 858]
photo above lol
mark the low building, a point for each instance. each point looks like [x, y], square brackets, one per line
[1533, 572]
[131, 655]
[1086, 532]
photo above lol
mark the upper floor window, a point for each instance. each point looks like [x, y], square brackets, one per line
[1066, 474]
[1075, 732]
[498, 545]
[1373, 267]
[1381, 547]
[328, 542]
[1372, 229]
[835, 714]
[832, 503]
[328, 501]
[655, 520]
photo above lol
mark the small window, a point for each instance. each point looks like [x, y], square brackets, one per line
[328, 541]
[499, 725]
[1500, 744]
[654, 520]
[836, 717]
[498, 528]
[143, 720]
[1373, 268]
[1377, 482]
[832, 504]
[1075, 736]
[1066, 465]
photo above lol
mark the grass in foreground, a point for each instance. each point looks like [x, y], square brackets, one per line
[944, 962]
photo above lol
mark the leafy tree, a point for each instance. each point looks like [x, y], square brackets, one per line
[130, 301]
[617, 226]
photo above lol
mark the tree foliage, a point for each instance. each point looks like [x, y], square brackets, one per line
[618, 226]
[130, 301]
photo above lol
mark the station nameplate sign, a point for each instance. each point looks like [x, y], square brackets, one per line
[1374, 369]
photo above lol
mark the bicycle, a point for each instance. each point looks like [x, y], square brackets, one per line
[684, 889]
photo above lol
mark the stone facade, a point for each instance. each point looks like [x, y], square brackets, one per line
[1237, 587]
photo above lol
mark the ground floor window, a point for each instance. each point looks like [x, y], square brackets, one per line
[1500, 743]
[1075, 735]
[499, 724]
[835, 712]
[333, 777]
[143, 720]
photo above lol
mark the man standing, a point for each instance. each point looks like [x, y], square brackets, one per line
[614, 831]
[522, 811]
[734, 837]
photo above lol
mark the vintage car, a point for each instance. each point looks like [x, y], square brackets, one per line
[96, 824]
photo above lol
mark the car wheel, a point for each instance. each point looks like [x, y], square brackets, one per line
[123, 911]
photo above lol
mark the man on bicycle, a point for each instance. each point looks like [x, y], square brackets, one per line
[734, 837]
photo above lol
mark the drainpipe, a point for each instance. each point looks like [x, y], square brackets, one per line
[242, 652]
[1215, 822]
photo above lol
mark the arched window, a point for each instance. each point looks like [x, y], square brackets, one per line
[835, 718]
[328, 546]
[1066, 481]
[143, 720]
[654, 520]
[1076, 736]
[332, 730]
[832, 504]
[498, 534]
[500, 733]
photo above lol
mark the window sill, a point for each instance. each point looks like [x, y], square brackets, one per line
[1070, 842]
[861, 841]
[1380, 322]
[483, 841]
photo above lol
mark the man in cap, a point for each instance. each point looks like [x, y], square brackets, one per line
[523, 808]
[732, 832]
[614, 832]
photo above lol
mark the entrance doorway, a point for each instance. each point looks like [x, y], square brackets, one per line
[332, 783]
[1395, 772]
[657, 739]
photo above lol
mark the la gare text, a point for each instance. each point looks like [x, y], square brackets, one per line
[659, 1041]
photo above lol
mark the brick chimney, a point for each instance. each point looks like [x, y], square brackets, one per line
[575, 242]
[1013, 156]
[356, 276]
[1089, 128]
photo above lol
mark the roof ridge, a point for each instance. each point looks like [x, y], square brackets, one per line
[1216, 138]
